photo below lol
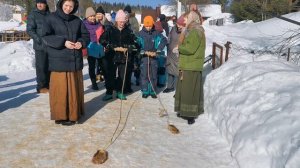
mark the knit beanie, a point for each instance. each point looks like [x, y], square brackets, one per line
[100, 10]
[180, 21]
[127, 8]
[89, 12]
[121, 16]
[148, 21]
[41, 1]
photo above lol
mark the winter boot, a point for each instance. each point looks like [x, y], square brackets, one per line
[153, 96]
[107, 97]
[101, 78]
[94, 84]
[43, 90]
[152, 93]
[145, 93]
[190, 120]
[121, 96]
[145, 96]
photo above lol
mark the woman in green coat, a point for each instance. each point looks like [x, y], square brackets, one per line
[189, 89]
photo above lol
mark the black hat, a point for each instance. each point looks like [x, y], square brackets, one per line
[162, 17]
[41, 1]
[127, 9]
[100, 10]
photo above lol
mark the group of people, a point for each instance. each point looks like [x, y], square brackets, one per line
[116, 50]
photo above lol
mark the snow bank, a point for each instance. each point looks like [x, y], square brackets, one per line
[23, 57]
[13, 25]
[255, 105]
[169, 10]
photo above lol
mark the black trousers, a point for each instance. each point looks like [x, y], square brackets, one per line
[92, 61]
[41, 67]
[109, 70]
[121, 71]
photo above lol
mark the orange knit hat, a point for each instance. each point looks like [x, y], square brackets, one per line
[148, 21]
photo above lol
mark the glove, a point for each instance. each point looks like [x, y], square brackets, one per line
[175, 50]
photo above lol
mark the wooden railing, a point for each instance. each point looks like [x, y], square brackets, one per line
[217, 54]
[13, 35]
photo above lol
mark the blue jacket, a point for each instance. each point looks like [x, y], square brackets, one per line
[151, 40]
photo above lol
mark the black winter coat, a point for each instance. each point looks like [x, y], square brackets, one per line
[58, 28]
[113, 38]
[34, 27]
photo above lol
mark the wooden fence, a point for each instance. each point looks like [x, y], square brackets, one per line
[217, 54]
[13, 35]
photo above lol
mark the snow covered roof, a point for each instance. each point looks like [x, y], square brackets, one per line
[206, 10]
[168, 10]
[19, 8]
[210, 10]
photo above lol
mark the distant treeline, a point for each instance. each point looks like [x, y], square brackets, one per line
[83, 4]
[116, 6]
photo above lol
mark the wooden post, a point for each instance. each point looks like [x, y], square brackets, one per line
[214, 56]
[288, 56]
[227, 46]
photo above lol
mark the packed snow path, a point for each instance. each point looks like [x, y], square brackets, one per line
[30, 139]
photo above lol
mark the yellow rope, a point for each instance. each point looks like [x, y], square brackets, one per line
[159, 99]
[112, 140]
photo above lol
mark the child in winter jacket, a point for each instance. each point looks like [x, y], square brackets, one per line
[119, 42]
[152, 42]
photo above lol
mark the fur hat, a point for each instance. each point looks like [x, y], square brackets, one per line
[127, 8]
[180, 21]
[148, 21]
[100, 10]
[121, 16]
[41, 1]
[89, 12]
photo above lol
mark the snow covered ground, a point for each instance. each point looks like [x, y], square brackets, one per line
[251, 115]
[32, 140]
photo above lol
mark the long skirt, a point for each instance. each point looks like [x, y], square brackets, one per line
[189, 94]
[66, 95]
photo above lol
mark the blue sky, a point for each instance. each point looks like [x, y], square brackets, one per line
[153, 3]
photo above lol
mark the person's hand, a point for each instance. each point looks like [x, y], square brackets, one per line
[105, 49]
[151, 54]
[120, 49]
[78, 45]
[175, 50]
[69, 45]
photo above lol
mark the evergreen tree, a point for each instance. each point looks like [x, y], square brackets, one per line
[258, 10]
